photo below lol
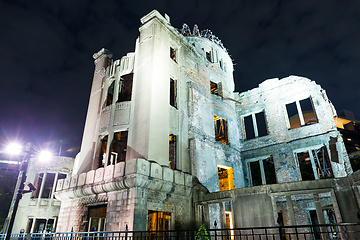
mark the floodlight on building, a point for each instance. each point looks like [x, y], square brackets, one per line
[44, 156]
[14, 149]
[27, 153]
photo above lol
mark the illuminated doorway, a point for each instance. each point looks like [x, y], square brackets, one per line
[229, 223]
[226, 178]
[159, 221]
[96, 218]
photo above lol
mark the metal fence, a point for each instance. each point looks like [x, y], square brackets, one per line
[325, 231]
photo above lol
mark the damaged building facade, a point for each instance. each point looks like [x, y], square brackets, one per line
[38, 210]
[168, 144]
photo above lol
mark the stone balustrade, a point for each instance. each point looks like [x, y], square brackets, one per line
[132, 173]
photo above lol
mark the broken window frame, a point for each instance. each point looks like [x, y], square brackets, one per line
[172, 155]
[315, 162]
[216, 88]
[125, 88]
[300, 113]
[173, 92]
[119, 154]
[48, 185]
[109, 99]
[255, 124]
[220, 129]
[208, 56]
[262, 169]
[173, 54]
[230, 177]
[102, 152]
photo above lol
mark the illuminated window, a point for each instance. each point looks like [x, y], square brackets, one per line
[96, 218]
[255, 125]
[118, 148]
[214, 88]
[226, 178]
[173, 54]
[220, 129]
[301, 113]
[262, 171]
[102, 152]
[314, 164]
[109, 95]
[158, 221]
[173, 94]
[125, 88]
[172, 151]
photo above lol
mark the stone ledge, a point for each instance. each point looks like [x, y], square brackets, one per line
[124, 175]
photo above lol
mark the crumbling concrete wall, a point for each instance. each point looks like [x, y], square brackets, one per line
[282, 142]
[260, 206]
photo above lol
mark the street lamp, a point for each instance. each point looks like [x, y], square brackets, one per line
[28, 152]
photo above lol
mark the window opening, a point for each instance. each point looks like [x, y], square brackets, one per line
[37, 183]
[315, 164]
[333, 150]
[301, 113]
[110, 95]
[118, 148]
[50, 225]
[158, 221]
[314, 221]
[173, 92]
[221, 65]
[173, 54]
[308, 111]
[102, 153]
[229, 223]
[172, 151]
[263, 171]
[226, 178]
[322, 163]
[48, 185]
[96, 218]
[40, 225]
[269, 170]
[220, 129]
[208, 56]
[29, 225]
[125, 88]
[255, 125]
[255, 173]
[305, 166]
[214, 88]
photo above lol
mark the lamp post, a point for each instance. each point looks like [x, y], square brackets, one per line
[23, 169]
[28, 151]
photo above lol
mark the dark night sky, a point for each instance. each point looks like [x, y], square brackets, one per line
[46, 63]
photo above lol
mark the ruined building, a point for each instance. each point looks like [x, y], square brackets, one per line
[168, 144]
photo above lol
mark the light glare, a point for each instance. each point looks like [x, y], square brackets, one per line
[45, 155]
[13, 149]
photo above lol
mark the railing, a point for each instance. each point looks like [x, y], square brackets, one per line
[313, 232]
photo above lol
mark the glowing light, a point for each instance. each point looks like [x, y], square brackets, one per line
[14, 149]
[45, 156]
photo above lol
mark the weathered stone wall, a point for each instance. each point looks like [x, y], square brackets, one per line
[282, 142]
[259, 206]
